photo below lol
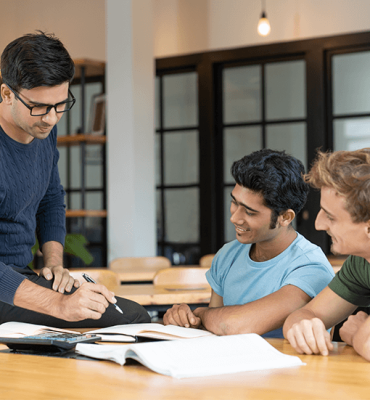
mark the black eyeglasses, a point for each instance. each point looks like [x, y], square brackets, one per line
[43, 109]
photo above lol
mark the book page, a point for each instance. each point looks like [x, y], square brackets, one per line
[158, 331]
[20, 329]
[198, 357]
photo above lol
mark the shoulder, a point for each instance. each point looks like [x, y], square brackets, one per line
[308, 252]
[356, 267]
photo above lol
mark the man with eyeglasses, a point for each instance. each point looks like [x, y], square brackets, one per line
[36, 74]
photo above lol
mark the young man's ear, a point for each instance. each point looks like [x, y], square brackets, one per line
[5, 94]
[286, 217]
[368, 229]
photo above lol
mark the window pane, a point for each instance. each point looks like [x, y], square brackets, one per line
[285, 90]
[351, 134]
[182, 215]
[93, 166]
[94, 229]
[229, 227]
[94, 201]
[351, 83]
[181, 158]
[75, 201]
[238, 142]
[75, 160]
[242, 94]
[288, 137]
[62, 166]
[180, 100]
[91, 89]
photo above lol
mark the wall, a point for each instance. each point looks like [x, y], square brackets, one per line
[79, 24]
[187, 26]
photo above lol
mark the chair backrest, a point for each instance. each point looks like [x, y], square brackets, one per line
[124, 263]
[337, 262]
[102, 276]
[206, 261]
[181, 276]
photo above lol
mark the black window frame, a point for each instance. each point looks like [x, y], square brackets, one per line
[317, 54]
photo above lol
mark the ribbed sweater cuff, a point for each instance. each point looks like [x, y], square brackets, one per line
[9, 283]
[53, 234]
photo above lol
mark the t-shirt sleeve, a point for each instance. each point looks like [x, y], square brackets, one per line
[352, 281]
[214, 276]
[311, 278]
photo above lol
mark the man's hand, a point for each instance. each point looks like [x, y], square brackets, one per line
[88, 302]
[181, 315]
[351, 326]
[53, 260]
[62, 280]
[309, 336]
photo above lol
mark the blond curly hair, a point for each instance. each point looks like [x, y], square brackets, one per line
[348, 173]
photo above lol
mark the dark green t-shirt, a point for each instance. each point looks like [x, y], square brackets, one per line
[352, 282]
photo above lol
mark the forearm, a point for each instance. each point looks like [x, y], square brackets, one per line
[53, 254]
[361, 340]
[260, 316]
[296, 317]
[37, 298]
[223, 320]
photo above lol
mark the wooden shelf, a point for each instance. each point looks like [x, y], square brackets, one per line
[92, 67]
[86, 213]
[74, 140]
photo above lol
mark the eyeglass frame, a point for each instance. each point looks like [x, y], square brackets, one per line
[49, 107]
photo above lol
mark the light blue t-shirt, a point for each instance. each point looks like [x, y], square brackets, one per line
[240, 280]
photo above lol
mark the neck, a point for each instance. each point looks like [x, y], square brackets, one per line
[10, 129]
[264, 251]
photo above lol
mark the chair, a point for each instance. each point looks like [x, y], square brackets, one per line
[102, 276]
[206, 261]
[181, 276]
[336, 262]
[138, 269]
[124, 263]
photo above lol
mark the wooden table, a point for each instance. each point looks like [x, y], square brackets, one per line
[158, 298]
[342, 375]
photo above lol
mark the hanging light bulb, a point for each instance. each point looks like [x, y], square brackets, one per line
[263, 27]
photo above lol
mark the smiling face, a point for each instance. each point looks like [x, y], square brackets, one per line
[251, 217]
[23, 127]
[347, 237]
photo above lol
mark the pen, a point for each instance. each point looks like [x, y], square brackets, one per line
[89, 279]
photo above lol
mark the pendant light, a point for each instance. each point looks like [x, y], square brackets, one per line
[263, 27]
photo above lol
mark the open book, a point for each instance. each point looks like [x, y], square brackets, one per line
[131, 332]
[205, 356]
[20, 329]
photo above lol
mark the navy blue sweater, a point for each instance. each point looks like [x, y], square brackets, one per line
[31, 201]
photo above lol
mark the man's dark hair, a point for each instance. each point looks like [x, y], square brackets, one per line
[35, 60]
[277, 176]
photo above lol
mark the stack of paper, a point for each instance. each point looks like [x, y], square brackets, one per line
[203, 356]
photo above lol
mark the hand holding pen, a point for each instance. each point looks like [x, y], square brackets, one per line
[89, 279]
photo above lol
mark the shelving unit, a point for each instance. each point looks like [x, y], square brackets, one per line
[87, 71]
